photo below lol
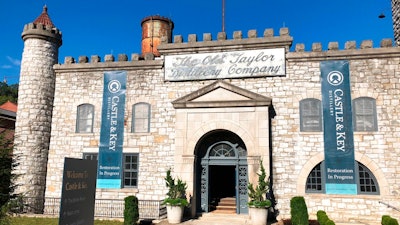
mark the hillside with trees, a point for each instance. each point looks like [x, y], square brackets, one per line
[8, 92]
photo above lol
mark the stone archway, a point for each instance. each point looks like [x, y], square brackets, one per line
[221, 171]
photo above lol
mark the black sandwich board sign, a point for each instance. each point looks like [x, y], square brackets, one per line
[78, 192]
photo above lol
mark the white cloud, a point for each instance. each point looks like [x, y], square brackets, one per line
[6, 66]
[15, 62]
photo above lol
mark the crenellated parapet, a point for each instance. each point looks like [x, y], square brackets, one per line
[41, 31]
[222, 43]
[349, 45]
[108, 58]
[95, 62]
[351, 51]
[252, 41]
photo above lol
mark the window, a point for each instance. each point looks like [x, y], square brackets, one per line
[310, 115]
[314, 180]
[141, 118]
[364, 114]
[84, 118]
[90, 156]
[367, 183]
[130, 168]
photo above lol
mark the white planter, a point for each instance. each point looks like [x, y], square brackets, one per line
[258, 216]
[174, 213]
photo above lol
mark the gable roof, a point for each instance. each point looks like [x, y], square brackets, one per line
[221, 94]
[9, 106]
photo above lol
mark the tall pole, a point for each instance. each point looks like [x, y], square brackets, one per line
[223, 15]
[395, 5]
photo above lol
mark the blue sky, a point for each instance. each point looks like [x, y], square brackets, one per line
[101, 27]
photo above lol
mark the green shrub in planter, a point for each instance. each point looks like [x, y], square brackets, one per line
[131, 211]
[176, 195]
[298, 211]
[258, 193]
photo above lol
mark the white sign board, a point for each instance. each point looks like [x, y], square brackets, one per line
[235, 64]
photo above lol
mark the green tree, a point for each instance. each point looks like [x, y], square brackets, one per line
[7, 164]
[8, 92]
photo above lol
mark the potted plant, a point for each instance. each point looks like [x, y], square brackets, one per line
[259, 204]
[176, 198]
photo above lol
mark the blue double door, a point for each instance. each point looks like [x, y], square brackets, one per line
[224, 175]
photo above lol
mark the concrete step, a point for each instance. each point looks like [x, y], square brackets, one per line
[228, 199]
[226, 206]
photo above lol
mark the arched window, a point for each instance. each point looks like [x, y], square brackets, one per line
[366, 181]
[84, 118]
[364, 114]
[141, 117]
[310, 115]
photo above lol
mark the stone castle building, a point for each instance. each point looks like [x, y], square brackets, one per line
[211, 110]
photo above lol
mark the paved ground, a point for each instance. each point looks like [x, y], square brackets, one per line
[214, 220]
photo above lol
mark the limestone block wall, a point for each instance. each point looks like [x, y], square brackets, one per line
[373, 71]
[84, 84]
[33, 125]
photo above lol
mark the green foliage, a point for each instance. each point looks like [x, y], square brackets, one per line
[329, 222]
[4, 218]
[176, 191]
[388, 220]
[393, 221]
[8, 93]
[131, 211]
[298, 211]
[7, 186]
[385, 219]
[258, 194]
[322, 217]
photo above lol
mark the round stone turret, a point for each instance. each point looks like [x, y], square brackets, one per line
[35, 105]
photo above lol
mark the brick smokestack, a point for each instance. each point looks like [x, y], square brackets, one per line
[154, 29]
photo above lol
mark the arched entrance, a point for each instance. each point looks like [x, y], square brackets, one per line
[221, 171]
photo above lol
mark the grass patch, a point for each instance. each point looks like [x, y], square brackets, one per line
[54, 221]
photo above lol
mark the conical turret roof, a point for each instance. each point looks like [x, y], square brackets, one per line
[43, 28]
[44, 18]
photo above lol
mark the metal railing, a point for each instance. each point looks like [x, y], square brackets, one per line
[390, 206]
[107, 208]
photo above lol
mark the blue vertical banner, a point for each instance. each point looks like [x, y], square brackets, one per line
[338, 128]
[109, 172]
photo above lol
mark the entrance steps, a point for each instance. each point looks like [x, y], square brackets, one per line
[226, 206]
[223, 219]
